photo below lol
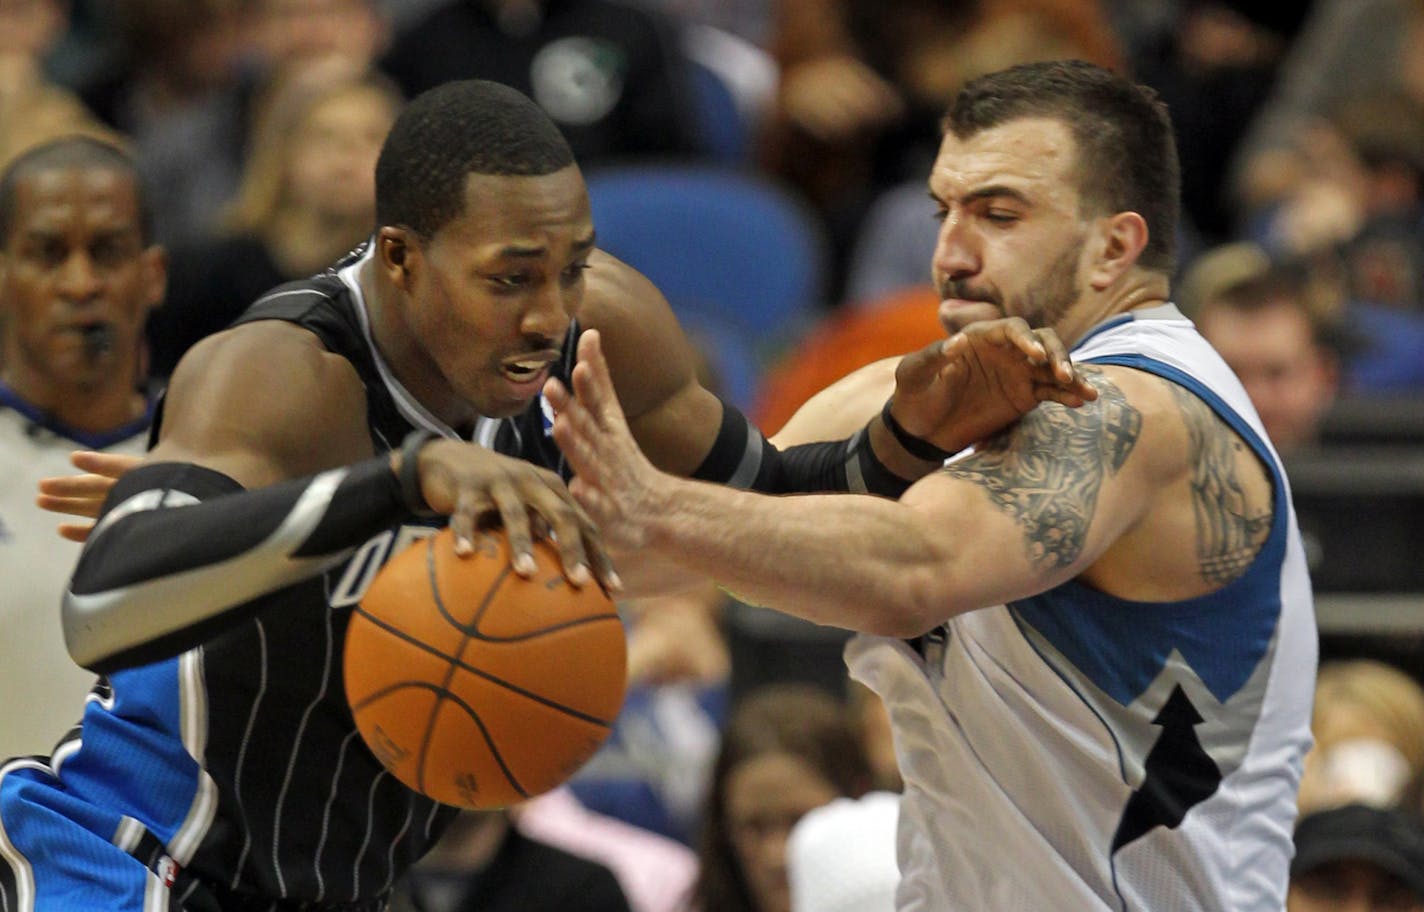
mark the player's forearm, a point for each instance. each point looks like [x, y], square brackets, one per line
[184, 552]
[860, 563]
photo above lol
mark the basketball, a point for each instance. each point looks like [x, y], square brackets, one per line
[475, 686]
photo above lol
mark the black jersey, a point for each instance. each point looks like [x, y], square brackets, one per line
[248, 766]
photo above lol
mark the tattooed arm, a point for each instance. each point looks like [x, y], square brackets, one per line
[1057, 496]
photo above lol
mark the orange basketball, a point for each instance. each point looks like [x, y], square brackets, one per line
[477, 687]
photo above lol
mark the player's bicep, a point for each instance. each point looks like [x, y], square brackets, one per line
[1036, 505]
[653, 366]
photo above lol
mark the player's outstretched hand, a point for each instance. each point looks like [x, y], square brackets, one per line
[982, 379]
[613, 480]
[83, 494]
[471, 484]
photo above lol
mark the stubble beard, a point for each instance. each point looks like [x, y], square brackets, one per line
[1047, 301]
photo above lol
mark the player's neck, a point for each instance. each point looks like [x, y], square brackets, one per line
[407, 360]
[94, 407]
[1137, 290]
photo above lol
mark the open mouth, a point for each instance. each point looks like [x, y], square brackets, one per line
[528, 368]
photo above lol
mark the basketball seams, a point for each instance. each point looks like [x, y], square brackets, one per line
[442, 692]
[459, 664]
[544, 631]
[420, 714]
[489, 743]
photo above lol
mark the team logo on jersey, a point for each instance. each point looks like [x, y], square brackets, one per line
[547, 411]
[363, 566]
[167, 870]
[1178, 774]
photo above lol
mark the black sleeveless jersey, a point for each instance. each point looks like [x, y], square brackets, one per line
[300, 808]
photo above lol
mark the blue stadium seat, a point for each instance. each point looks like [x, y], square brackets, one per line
[725, 133]
[727, 244]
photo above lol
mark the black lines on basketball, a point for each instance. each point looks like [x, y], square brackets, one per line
[476, 686]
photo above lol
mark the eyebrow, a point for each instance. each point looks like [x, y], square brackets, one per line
[993, 191]
[532, 253]
[102, 234]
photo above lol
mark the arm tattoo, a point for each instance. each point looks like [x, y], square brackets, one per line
[1230, 528]
[1046, 471]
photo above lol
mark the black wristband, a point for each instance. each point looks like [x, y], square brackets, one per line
[409, 476]
[917, 447]
[867, 474]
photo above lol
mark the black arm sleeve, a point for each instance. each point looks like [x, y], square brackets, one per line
[182, 552]
[742, 457]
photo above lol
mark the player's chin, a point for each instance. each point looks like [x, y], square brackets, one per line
[511, 394]
[957, 313]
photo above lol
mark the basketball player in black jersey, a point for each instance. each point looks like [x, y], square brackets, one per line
[339, 418]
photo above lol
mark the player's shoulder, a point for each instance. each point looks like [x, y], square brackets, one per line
[620, 301]
[274, 382]
[1163, 417]
[1132, 415]
[262, 353]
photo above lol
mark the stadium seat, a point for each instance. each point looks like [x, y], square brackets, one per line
[729, 245]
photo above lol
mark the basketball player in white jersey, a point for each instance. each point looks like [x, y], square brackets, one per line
[1094, 630]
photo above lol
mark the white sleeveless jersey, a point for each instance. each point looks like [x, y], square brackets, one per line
[1075, 751]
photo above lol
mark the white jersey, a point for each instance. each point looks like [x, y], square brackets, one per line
[41, 689]
[1079, 751]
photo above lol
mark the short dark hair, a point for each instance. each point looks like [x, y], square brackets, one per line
[1127, 154]
[71, 152]
[460, 128]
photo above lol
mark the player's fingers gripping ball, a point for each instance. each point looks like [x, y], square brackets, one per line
[478, 687]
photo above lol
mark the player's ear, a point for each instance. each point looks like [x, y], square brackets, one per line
[1120, 240]
[154, 261]
[395, 251]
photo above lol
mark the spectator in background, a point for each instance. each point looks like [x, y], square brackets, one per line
[291, 34]
[612, 76]
[78, 275]
[237, 50]
[484, 863]
[1358, 859]
[655, 873]
[786, 750]
[652, 771]
[34, 109]
[1356, 186]
[1368, 724]
[863, 85]
[1262, 320]
[175, 55]
[307, 196]
[1213, 64]
[1344, 50]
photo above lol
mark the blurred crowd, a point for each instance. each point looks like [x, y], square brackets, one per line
[745, 763]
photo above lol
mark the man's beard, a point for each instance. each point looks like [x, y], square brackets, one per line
[1041, 304]
[1046, 301]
